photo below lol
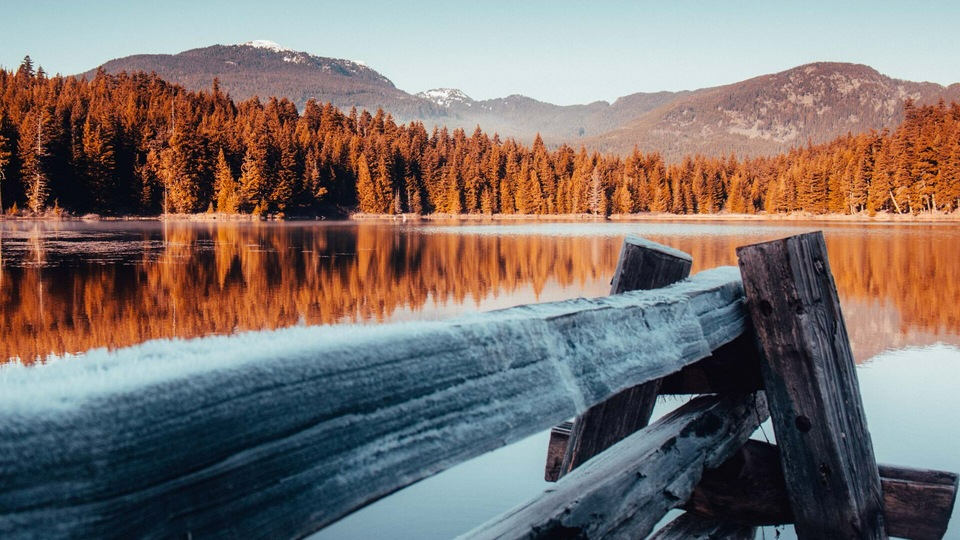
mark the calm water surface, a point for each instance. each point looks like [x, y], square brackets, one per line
[69, 287]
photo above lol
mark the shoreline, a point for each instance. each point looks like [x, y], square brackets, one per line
[883, 217]
[646, 217]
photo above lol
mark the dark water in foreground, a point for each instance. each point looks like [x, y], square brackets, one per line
[69, 287]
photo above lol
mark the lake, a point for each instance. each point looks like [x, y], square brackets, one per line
[66, 287]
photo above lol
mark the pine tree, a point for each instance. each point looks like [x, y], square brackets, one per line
[225, 188]
[253, 180]
[99, 164]
[5, 154]
[366, 191]
[597, 197]
[736, 201]
[33, 154]
[622, 200]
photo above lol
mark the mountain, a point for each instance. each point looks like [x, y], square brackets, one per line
[760, 116]
[263, 68]
[773, 113]
[523, 117]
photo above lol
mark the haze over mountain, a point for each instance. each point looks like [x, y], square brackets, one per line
[759, 116]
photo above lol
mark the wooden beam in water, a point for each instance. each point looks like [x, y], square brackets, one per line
[749, 488]
[643, 265]
[626, 490]
[811, 382]
[277, 434]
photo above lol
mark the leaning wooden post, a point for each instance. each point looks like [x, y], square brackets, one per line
[811, 384]
[643, 265]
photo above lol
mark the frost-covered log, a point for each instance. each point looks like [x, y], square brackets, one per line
[624, 491]
[276, 434]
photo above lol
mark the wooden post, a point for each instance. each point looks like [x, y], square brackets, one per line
[811, 384]
[643, 265]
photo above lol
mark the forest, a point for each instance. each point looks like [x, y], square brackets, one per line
[133, 144]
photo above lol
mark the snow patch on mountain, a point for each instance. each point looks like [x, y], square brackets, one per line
[445, 97]
[267, 44]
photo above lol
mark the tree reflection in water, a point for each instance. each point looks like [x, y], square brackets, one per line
[70, 287]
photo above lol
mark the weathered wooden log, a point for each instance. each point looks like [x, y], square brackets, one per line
[626, 490]
[643, 265]
[734, 368]
[811, 382]
[276, 434]
[690, 527]
[749, 488]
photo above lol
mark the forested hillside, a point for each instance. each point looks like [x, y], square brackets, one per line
[135, 144]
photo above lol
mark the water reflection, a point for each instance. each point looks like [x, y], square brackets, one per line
[69, 287]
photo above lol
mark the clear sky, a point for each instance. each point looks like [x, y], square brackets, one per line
[557, 51]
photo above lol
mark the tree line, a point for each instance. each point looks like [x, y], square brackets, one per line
[136, 144]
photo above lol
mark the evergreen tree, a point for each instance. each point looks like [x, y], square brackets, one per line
[622, 200]
[5, 154]
[225, 189]
[33, 158]
[366, 190]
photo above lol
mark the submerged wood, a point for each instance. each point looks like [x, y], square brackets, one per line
[643, 265]
[810, 379]
[276, 434]
[749, 488]
[690, 527]
[626, 490]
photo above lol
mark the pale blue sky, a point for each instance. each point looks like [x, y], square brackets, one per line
[557, 51]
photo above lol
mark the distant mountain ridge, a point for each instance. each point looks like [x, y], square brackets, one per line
[264, 68]
[760, 116]
[773, 113]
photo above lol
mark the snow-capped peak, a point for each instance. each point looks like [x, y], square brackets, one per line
[446, 97]
[267, 44]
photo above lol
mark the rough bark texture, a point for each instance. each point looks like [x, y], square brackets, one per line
[626, 490]
[811, 382]
[276, 434]
[643, 265]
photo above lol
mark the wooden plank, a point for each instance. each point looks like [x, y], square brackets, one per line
[917, 503]
[690, 527]
[749, 488]
[559, 435]
[626, 490]
[811, 382]
[643, 265]
[276, 434]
